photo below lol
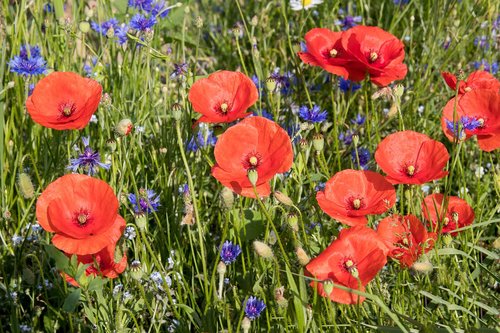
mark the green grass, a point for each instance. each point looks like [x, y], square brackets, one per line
[461, 292]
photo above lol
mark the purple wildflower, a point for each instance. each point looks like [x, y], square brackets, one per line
[89, 160]
[254, 307]
[141, 23]
[229, 252]
[314, 115]
[29, 62]
[146, 202]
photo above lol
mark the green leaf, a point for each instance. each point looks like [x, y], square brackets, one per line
[59, 8]
[252, 226]
[62, 262]
[97, 283]
[71, 301]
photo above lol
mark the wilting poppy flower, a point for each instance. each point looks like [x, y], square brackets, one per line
[408, 157]
[223, 97]
[64, 100]
[476, 80]
[376, 52]
[350, 195]
[358, 253]
[82, 212]
[324, 49]
[102, 263]
[477, 113]
[255, 143]
[405, 237]
[458, 214]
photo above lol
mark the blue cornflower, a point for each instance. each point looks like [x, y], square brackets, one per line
[359, 120]
[283, 82]
[159, 8]
[180, 70]
[347, 21]
[486, 66]
[254, 307]
[141, 4]
[204, 138]
[16, 240]
[470, 123]
[28, 64]
[89, 160]
[141, 22]
[346, 137]
[465, 123]
[229, 252]
[103, 28]
[319, 187]
[348, 85]
[364, 158]
[314, 115]
[146, 202]
[482, 42]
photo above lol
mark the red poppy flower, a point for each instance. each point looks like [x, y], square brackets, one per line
[405, 237]
[477, 113]
[458, 214]
[223, 97]
[409, 157]
[350, 195]
[357, 253]
[64, 100]
[324, 49]
[377, 52]
[255, 143]
[102, 263]
[82, 212]
[476, 80]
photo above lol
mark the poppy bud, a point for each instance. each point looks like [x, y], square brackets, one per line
[198, 22]
[328, 287]
[253, 176]
[355, 140]
[141, 220]
[302, 256]
[303, 144]
[293, 220]
[26, 186]
[236, 31]
[283, 198]
[136, 270]
[124, 127]
[280, 299]
[272, 238]
[263, 250]
[399, 90]
[447, 239]
[245, 324]
[111, 143]
[176, 111]
[424, 267]
[254, 21]
[221, 268]
[227, 197]
[318, 142]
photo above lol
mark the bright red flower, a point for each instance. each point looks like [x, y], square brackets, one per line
[406, 238]
[408, 157]
[223, 97]
[255, 143]
[64, 100]
[102, 263]
[358, 253]
[457, 215]
[324, 49]
[350, 195]
[376, 52]
[477, 113]
[476, 80]
[82, 212]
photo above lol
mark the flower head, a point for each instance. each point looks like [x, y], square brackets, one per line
[254, 307]
[229, 252]
[256, 145]
[357, 255]
[350, 195]
[348, 85]
[29, 62]
[364, 157]
[146, 202]
[458, 213]
[204, 138]
[409, 157]
[314, 115]
[179, 71]
[223, 97]
[476, 80]
[89, 160]
[141, 4]
[141, 23]
[485, 65]
[64, 100]
[347, 21]
[82, 212]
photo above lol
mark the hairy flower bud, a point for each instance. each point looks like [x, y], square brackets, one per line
[263, 250]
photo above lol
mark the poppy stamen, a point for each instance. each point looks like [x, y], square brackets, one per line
[356, 203]
[373, 56]
[410, 170]
[333, 53]
[252, 161]
[82, 218]
[67, 109]
[454, 217]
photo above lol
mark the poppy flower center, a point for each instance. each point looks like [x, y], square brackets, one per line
[373, 56]
[333, 53]
[82, 218]
[410, 170]
[223, 108]
[252, 161]
[349, 266]
[356, 203]
[446, 221]
[467, 89]
[67, 109]
[454, 217]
